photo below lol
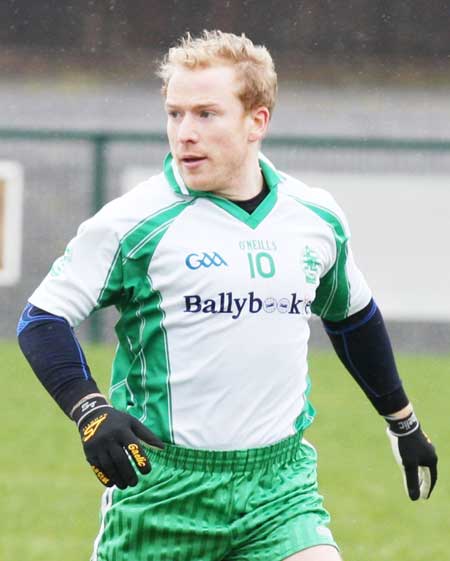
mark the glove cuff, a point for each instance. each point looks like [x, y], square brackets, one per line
[403, 427]
[87, 405]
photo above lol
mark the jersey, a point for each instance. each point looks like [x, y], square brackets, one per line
[214, 303]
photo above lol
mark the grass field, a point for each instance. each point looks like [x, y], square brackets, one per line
[49, 498]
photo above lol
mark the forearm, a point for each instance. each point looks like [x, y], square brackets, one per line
[363, 345]
[111, 439]
[56, 357]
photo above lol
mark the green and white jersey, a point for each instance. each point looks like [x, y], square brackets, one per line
[214, 303]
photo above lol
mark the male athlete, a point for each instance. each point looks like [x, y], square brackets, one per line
[215, 267]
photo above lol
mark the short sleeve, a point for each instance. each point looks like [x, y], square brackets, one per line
[88, 276]
[342, 289]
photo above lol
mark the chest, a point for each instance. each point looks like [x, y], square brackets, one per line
[209, 261]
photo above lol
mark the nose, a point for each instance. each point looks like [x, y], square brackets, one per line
[186, 130]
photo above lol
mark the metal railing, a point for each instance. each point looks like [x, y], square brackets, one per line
[100, 140]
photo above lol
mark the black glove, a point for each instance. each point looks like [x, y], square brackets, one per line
[110, 440]
[415, 455]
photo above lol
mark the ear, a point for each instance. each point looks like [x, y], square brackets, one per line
[260, 118]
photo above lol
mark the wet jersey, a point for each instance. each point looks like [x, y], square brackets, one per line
[214, 303]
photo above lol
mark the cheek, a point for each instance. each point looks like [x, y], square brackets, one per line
[170, 132]
[233, 138]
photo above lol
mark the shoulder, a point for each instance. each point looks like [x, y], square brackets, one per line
[148, 199]
[316, 200]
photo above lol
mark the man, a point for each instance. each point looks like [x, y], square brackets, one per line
[215, 267]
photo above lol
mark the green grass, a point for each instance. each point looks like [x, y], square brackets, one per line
[49, 498]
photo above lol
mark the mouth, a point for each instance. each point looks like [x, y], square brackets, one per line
[192, 161]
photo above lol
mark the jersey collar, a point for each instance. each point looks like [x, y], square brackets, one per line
[271, 176]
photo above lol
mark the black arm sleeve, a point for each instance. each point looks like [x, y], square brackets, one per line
[55, 355]
[362, 343]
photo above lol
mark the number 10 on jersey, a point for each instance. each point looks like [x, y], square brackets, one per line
[261, 264]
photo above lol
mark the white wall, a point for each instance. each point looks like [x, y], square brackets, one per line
[400, 236]
[11, 207]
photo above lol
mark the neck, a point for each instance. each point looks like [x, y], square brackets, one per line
[245, 185]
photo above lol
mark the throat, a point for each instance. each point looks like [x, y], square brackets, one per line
[250, 205]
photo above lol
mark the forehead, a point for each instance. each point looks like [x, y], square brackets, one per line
[214, 84]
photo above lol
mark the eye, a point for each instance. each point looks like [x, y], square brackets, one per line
[206, 114]
[173, 114]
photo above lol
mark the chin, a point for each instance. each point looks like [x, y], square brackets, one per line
[197, 184]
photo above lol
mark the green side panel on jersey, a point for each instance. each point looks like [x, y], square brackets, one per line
[141, 369]
[332, 299]
[252, 220]
[141, 331]
[306, 417]
[132, 242]
[112, 289]
[139, 240]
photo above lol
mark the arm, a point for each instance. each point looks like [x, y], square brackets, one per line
[109, 437]
[362, 343]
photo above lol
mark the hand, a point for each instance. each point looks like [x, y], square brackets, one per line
[111, 442]
[415, 454]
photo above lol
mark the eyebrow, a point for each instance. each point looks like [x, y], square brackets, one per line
[198, 107]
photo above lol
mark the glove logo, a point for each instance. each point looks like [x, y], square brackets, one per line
[141, 461]
[88, 405]
[101, 476]
[91, 428]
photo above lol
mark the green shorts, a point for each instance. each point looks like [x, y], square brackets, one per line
[195, 505]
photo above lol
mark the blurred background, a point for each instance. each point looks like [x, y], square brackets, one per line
[363, 111]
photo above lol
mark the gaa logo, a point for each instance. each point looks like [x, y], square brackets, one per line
[196, 260]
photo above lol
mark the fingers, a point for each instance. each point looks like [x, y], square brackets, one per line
[146, 435]
[428, 476]
[433, 476]
[113, 467]
[420, 481]
[125, 474]
[98, 467]
[412, 482]
[115, 450]
[417, 457]
[139, 457]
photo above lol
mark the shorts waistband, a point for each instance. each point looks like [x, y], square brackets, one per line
[282, 452]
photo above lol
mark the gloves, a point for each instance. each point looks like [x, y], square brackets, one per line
[110, 440]
[415, 455]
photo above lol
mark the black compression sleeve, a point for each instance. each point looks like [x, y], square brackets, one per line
[362, 343]
[55, 355]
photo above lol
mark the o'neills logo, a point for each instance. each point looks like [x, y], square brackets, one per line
[227, 303]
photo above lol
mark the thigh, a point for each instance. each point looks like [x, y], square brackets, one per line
[318, 553]
[283, 514]
[167, 516]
